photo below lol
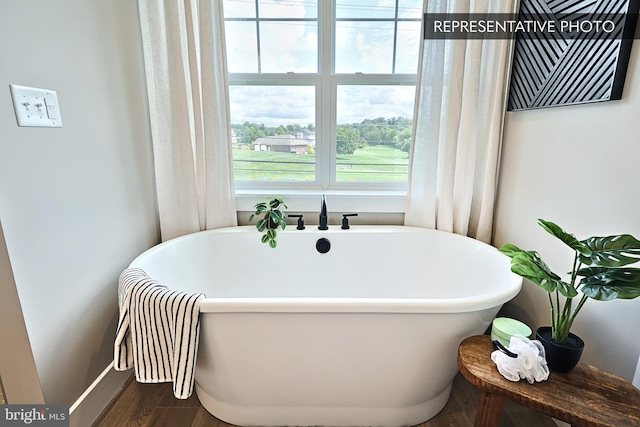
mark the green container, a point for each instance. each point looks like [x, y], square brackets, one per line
[504, 328]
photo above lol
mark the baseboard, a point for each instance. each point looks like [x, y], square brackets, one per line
[86, 410]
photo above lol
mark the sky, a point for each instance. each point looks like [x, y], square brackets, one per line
[365, 47]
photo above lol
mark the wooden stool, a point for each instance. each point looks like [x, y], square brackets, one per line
[586, 396]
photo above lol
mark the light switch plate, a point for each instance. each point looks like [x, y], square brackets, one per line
[36, 107]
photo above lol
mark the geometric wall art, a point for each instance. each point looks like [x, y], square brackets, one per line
[584, 60]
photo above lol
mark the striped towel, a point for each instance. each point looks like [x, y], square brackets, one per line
[157, 332]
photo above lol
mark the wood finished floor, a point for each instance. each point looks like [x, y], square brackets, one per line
[153, 405]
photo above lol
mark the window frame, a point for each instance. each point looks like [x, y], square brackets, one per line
[369, 196]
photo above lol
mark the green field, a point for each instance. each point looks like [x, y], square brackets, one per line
[370, 164]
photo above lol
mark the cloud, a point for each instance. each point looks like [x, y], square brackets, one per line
[365, 47]
[242, 51]
[356, 103]
[288, 8]
[365, 9]
[272, 105]
[289, 46]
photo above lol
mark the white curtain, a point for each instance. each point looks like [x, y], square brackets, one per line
[185, 63]
[460, 104]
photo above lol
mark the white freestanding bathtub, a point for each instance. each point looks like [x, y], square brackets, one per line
[363, 335]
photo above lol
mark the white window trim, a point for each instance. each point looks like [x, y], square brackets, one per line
[338, 201]
[383, 197]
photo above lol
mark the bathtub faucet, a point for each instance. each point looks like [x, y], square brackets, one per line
[323, 214]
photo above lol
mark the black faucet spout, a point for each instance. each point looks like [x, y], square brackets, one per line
[323, 214]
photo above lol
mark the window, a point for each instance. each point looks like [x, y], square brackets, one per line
[322, 92]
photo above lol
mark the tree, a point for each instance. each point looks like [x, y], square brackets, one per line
[348, 139]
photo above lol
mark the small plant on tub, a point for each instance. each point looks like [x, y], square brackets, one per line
[272, 216]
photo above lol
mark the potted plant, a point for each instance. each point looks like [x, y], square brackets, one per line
[599, 272]
[272, 217]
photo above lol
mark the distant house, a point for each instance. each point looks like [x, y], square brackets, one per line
[287, 143]
[235, 138]
[307, 134]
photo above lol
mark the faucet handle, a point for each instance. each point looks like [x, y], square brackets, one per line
[300, 221]
[345, 220]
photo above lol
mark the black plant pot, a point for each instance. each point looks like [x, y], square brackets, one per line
[560, 357]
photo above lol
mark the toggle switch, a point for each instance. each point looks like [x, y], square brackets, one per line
[26, 98]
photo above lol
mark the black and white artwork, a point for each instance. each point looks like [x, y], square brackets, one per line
[584, 60]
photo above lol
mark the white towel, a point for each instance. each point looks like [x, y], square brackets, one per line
[157, 332]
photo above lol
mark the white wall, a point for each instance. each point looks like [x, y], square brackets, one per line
[77, 203]
[577, 166]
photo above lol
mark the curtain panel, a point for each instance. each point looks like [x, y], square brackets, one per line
[185, 64]
[460, 106]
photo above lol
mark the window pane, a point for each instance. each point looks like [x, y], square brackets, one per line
[289, 46]
[288, 9]
[273, 132]
[408, 47]
[281, 37]
[410, 9]
[365, 9]
[239, 9]
[365, 47]
[242, 48]
[373, 132]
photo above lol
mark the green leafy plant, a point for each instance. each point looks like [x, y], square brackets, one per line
[599, 271]
[272, 216]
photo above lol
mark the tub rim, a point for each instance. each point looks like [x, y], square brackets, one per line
[477, 302]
